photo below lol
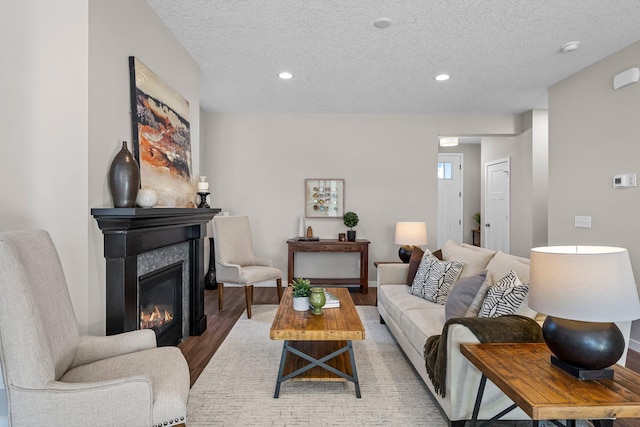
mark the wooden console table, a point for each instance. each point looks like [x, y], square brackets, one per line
[333, 245]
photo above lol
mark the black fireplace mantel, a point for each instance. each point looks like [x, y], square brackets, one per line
[129, 232]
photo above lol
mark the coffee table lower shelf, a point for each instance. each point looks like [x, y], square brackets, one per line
[317, 361]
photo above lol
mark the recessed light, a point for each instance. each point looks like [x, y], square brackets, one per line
[382, 23]
[285, 75]
[570, 47]
[442, 77]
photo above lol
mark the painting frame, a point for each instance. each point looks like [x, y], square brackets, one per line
[324, 198]
[161, 134]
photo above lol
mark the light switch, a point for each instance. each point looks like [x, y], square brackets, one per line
[583, 221]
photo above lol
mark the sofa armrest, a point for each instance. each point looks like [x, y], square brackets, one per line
[392, 274]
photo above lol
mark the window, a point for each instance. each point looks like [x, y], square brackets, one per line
[444, 170]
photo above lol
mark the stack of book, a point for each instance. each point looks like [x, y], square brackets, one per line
[331, 300]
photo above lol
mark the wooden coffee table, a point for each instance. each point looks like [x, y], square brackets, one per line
[544, 392]
[317, 347]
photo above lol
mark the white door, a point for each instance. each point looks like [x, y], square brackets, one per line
[449, 198]
[497, 207]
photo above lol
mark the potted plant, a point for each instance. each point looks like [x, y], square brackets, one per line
[476, 216]
[301, 293]
[351, 220]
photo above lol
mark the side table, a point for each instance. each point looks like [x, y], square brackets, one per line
[525, 374]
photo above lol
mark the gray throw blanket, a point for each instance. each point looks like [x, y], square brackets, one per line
[503, 329]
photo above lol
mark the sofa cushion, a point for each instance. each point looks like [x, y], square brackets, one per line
[414, 263]
[396, 299]
[501, 264]
[462, 295]
[504, 297]
[420, 324]
[475, 259]
[435, 278]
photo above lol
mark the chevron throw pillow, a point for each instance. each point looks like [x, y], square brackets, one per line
[434, 278]
[504, 297]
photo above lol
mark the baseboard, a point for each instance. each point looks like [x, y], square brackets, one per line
[634, 345]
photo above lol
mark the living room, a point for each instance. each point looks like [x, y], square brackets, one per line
[69, 102]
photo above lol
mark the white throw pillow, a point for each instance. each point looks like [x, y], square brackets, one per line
[435, 278]
[505, 297]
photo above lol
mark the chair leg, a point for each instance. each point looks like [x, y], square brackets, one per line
[248, 295]
[279, 286]
[220, 295]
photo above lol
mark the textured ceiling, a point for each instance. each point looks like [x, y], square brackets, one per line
[502, 55]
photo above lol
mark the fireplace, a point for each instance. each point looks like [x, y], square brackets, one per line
[160, 303]
[160, 246]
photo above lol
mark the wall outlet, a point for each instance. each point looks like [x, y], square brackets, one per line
[583, 222]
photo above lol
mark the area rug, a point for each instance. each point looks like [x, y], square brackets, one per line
[236, 387]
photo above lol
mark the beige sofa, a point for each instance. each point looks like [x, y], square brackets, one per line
[412, 320]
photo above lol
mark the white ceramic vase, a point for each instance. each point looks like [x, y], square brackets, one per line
[301, 304]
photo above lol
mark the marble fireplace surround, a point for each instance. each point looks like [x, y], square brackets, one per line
[135, 236]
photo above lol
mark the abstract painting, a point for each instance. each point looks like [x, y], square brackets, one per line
[161, 137]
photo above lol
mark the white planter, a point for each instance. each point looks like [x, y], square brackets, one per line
[301, 304]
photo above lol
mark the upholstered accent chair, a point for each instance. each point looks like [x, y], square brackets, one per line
[55, 376]
[235, 260]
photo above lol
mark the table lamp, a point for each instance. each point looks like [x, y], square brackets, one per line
[410, 235]
[583, 290]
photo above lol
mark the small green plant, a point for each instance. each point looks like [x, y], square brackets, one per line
[301, 287]
[476, 216]
[350, 219]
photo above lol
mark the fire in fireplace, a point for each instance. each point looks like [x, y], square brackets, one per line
[160, 303]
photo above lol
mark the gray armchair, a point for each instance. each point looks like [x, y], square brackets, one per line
[55, 376]
[235, 260]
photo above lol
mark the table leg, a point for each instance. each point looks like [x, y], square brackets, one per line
[287, 348]
[290, 265]
[364, 270]
[354, 372]
[476, 407]
[283, 358]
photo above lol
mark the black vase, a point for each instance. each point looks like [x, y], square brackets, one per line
[124, 178]
[351, 235]
[210, 281]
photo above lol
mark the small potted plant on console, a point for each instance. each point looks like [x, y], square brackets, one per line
[301, 293]
[351, 220]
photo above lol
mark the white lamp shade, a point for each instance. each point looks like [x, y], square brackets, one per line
[411, 233]
[585, 283]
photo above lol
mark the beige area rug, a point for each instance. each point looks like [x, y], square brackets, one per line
[236, 387]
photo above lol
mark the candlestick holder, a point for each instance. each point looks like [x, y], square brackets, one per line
[203, 199]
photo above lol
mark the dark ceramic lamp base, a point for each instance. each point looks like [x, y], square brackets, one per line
[405, 253]
[583, 349]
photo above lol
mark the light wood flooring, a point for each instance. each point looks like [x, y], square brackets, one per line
[198, 350]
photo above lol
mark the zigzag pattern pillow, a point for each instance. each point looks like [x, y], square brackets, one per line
[435, 278]
[504, 297]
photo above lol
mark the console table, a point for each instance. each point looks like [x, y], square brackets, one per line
[333, 245]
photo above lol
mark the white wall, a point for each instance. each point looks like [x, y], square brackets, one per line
[43, 117]
[594, 134]
[258, 164]
[119, 29]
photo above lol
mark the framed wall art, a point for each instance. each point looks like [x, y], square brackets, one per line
[324, 198]
[161, 137]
